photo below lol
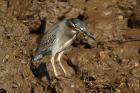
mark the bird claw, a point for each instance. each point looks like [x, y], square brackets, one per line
[58, 74]
[67, 75]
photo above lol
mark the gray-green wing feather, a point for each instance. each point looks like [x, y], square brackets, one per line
[47, 41]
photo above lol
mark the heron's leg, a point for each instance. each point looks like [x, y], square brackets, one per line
[59, 60]
[53, 65]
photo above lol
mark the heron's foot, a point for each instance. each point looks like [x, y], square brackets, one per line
[67, 75]
[63, 76]
[58, 74]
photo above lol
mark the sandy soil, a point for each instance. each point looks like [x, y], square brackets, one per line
[110, 65]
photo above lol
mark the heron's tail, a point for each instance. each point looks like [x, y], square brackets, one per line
[36, 57]
[39, 55]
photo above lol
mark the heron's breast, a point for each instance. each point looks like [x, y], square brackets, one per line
[69, 42]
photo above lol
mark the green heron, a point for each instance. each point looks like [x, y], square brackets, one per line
[58, 38]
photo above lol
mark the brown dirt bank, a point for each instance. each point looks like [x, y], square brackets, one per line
[110, 65]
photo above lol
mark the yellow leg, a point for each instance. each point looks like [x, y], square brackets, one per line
[59, 60]
[53, 65]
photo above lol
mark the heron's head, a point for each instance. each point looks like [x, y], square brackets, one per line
[79, 26]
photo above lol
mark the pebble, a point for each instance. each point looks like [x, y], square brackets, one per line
[117, 91]
[6, 58]
[120, 17]
[23, 62]
[122, 50]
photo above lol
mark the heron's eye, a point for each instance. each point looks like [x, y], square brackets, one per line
[73, 24]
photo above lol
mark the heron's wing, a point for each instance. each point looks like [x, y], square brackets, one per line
[47, 40]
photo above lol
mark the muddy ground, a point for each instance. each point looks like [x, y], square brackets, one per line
[109, 65]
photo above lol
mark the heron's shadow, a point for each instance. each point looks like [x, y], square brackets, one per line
[40, 71]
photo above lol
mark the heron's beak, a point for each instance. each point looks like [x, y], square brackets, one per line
[89, 35]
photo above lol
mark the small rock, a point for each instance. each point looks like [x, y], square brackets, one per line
[7, 56]
[120, 17]
[23, 62]
[104, 54]
[122, 50]
[136, 64]
[117, 91]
